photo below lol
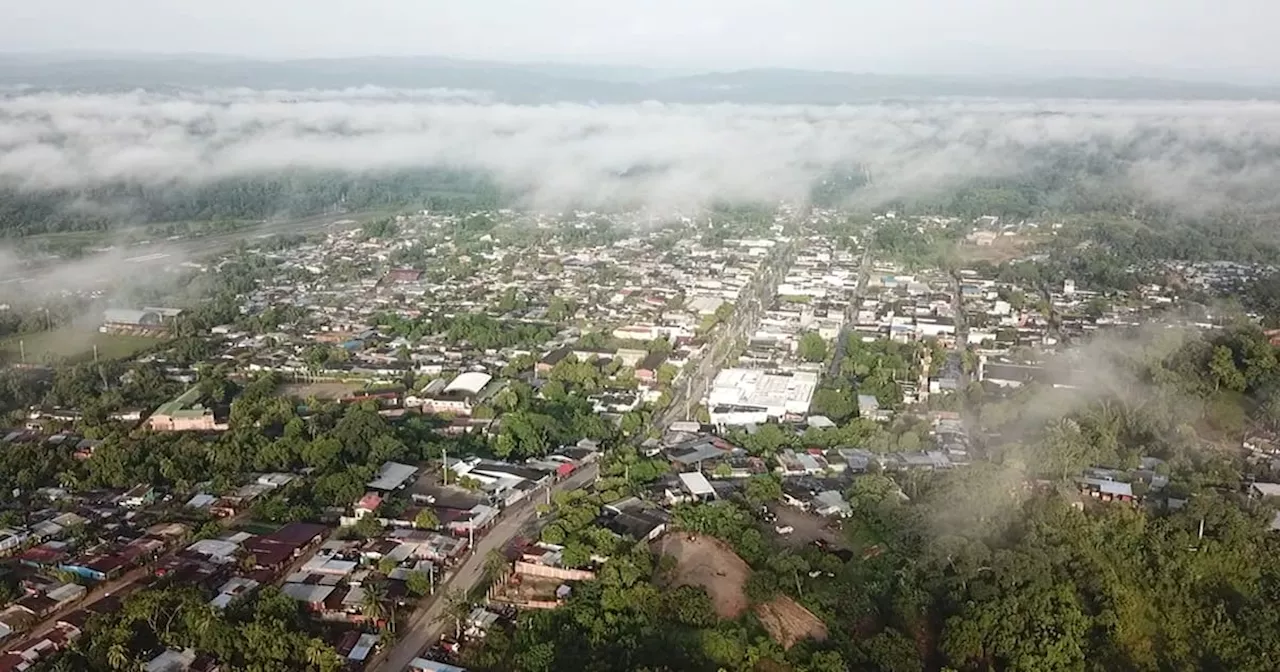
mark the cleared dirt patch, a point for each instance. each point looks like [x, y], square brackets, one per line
[788, 622]
[710, 563]
[807, 527]
[1003, 248]
[319, 390]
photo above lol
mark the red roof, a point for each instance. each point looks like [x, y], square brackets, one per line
[297, 534]
[565, 469]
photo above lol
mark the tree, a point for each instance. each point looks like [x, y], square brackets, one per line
[1223, 369]
[373, 604]
[426, 519]
[418, 583]
[812, 347]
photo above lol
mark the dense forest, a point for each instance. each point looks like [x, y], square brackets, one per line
[297, 193]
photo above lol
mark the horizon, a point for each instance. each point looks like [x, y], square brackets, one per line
[653, 73]
[1168, 39]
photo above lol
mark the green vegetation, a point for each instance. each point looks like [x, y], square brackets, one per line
[72, 343]
[263, 632]
[299, 193]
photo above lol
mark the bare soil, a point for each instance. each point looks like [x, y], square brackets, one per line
[319, 390]
[809, 527]
[1004, 248]
[710, 563]
[788, 622]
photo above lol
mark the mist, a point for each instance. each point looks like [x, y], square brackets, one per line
[655, 155]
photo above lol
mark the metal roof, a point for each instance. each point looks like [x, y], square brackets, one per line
[696, 483]
[471, 382]
[392, 475]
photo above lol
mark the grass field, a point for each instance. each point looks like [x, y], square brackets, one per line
[72, 343]
[323, 390]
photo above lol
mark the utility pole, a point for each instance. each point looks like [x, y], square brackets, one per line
[444, 457]
[22, 348]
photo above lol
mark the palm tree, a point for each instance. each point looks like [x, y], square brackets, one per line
[117, 656]
[495, 563]
[457, 607]
[373, 605]
[320, 656]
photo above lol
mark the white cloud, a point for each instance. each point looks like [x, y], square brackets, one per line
[573, 153]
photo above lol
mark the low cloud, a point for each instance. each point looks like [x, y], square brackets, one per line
[1197, 155]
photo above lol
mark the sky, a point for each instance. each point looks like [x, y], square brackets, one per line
[1230, 40]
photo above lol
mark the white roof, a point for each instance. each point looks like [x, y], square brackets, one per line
[471, 382]
[696, 483]
[1267, 489]
[364, 646]
[66, 592]
[392, 475]
[218, 549]
[777, 393]
[201, 500]
[172, 661]
[304, 592]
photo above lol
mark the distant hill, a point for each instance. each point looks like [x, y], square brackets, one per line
[537, 83]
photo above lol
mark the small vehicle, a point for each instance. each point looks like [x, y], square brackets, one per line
[784, 529]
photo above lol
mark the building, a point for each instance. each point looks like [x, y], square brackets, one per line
[749, 396]
[424, 665]
[185, 414]
[138, 496]
[697, 486]
[392, 476]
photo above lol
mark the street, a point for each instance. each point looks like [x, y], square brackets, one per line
[425, 626]
[851, 313]
[691, 385]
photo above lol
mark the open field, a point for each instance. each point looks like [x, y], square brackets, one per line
[710, 563]
[809, 527]
[72, 343]
[1004, 248]
[707, 562]
[788, 622]
[319, 390]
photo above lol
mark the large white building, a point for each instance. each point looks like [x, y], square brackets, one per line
[743, 396]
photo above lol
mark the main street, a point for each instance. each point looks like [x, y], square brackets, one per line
[851, 312]
[691, 385]
[426, 625]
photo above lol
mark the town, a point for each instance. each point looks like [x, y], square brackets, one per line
[419, 427]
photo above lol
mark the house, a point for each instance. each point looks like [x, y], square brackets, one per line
[185, 414]
[367, 504]
[792, 463]
[1107, 491]
[138, 496]
[172, 661]
[869, 407]
[695, 487]
[831, 503]
[636, 518]
[425, 665]
[647, 369]
[12, 539]
[392, 476]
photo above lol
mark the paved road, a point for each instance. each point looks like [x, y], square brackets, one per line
[851, 312]
[425, 626]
